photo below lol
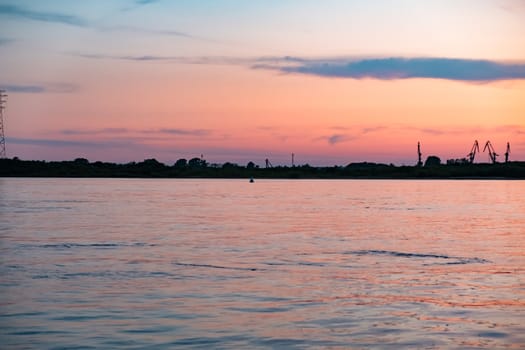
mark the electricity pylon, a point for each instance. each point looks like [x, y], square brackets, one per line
[3, 100]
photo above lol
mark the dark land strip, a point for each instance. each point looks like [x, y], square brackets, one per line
[197, 168]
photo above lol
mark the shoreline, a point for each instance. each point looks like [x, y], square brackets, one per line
[271, 178]
[150, 168]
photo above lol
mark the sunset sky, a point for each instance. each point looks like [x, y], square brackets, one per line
[332, 81]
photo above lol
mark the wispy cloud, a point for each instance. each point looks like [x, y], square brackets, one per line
[465, 130]
[113, 131]
[94, 131]
[138, 30]
[371, 129]
[5, 41]
[336, 138]
[137, 4]
[145, 2]
[212, 60]
[446, 130]
[30, 89]
[189, 132]
[38, 89]
[349, 133]
[53, 142]
[432, 131]
[392, 68]
[17, 12]
[162, 32]
[110, 137]
[401, 68]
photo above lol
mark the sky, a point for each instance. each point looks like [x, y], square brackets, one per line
[331, 81]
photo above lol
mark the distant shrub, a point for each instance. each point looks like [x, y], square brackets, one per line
[432, 161]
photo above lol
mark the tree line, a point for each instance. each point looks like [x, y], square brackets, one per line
[200, 168]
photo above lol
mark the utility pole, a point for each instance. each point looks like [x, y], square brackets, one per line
[419, 162]
[3, 101]
[293, 162]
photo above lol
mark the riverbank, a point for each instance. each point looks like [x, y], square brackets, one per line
[151, 168]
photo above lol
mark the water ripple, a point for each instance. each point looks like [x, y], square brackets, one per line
[453, 260]
[217, 266]
[67, 245]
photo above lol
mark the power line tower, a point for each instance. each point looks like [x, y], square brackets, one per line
[3, 100]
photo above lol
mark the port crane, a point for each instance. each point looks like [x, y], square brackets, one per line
[507, 153]
[492, 152]
[472, 153]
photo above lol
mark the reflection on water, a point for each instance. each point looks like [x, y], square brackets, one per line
[114, 263]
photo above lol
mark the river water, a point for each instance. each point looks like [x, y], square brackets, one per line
[275, 264]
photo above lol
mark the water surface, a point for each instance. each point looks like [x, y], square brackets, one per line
[146, 263]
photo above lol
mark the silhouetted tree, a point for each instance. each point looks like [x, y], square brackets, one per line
[229, 165]
[81, 161]
[151, 165]
[250, 165]
[153, 168]
[432, 161]
[152, 162]
[180, 163]
[197, 163]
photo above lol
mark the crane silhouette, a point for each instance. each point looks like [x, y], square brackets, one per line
[507, 153]
[492, 152]
[472, 153]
